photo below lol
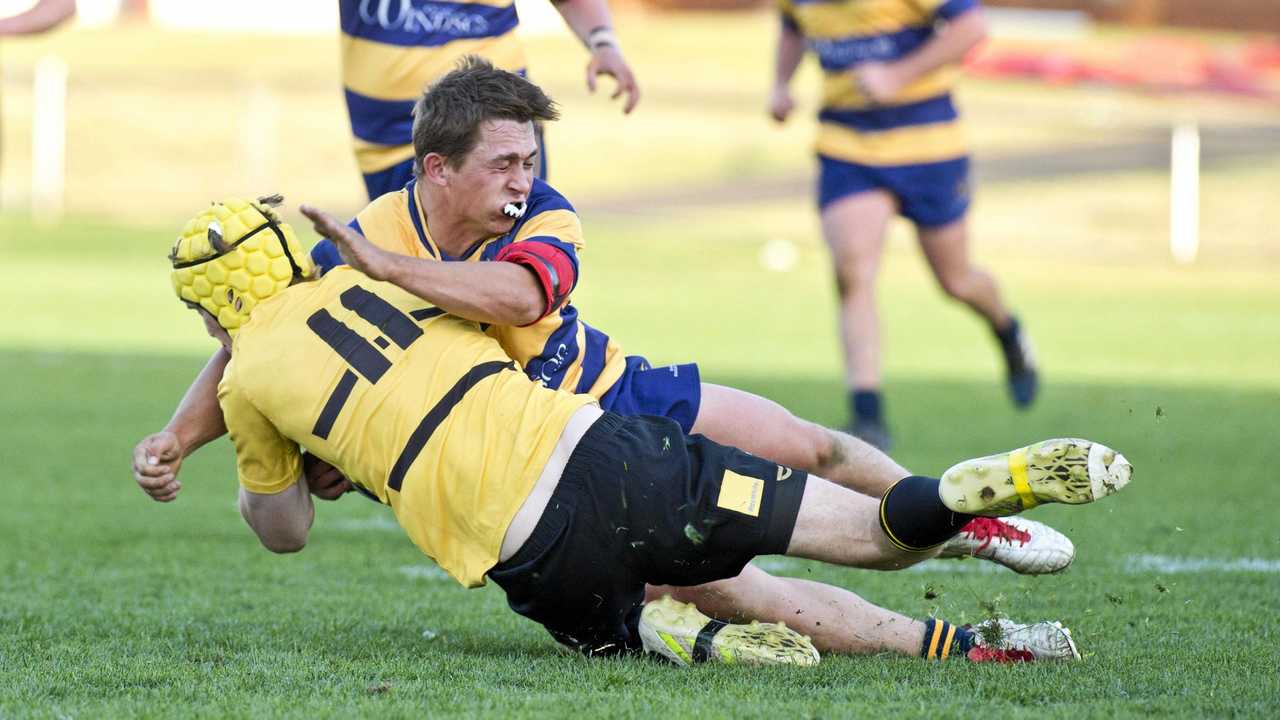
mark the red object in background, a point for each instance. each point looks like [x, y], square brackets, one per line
[1157, 63]
[1262, 54]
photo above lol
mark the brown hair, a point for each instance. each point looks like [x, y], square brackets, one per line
[447, 118]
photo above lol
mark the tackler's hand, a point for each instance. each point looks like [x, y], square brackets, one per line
[156, 459]
[355, 249]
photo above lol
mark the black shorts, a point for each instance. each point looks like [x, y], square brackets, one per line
[640, 502]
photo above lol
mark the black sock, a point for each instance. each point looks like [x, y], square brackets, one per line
[866, 405]
[1008, 335]
[913, 516]
[942, 639]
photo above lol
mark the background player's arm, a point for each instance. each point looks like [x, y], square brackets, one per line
[787, 58]
[590, 21]
[282, 520]
[881, 82]
[498, 293]
[45, 15]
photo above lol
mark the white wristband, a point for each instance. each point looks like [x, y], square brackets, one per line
[601, 37]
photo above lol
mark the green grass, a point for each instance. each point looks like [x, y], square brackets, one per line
[113, 605]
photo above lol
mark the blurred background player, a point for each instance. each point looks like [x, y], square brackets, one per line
[890, 142]
[393, 49]
[45, 15]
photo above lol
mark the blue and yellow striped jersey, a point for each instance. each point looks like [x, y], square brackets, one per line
[415, 406]
[559, 351]
[393, 49]
[921, 125]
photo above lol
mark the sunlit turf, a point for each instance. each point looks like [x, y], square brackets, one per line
[113, 605]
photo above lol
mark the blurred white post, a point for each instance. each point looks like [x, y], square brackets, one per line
[1184, 193]
[49, 139]
[259, 133]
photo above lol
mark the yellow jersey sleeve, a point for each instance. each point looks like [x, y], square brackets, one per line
[267, 462]
[561, 225]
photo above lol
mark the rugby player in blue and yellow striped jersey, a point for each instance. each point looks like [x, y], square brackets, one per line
[890, 141]
[393, 49]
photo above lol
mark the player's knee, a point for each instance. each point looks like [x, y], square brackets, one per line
[957, 285]
[825, 450]
[853, 280]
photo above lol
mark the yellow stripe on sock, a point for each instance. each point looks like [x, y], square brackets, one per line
[946, 643]
[675, 648]
[933, 644]
[1018, 469]
[884, 523]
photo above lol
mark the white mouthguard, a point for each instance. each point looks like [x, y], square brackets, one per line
[514, 210]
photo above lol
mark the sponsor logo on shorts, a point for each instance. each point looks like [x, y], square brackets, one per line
[740, 493]
[783, 473]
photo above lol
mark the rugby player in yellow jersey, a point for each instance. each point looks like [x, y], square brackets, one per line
[393, 49]
[570, 509]
[477, 161]
[890, 142]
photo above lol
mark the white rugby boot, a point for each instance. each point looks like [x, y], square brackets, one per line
[1063, 470]
[1005, 641]
[680, 633]
[1024, 546]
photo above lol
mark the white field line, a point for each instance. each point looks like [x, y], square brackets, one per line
[424, 572]
[372, 522]
[1171, 565]
[1130, 565]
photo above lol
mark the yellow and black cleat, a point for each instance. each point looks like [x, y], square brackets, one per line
[680, 633]
[1063, 470]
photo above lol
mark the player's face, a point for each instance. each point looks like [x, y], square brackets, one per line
[497, 171]
[216, 331]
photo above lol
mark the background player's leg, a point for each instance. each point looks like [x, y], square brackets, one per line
[835, 619]
[947, 249]
[854, 229]
[766, 429]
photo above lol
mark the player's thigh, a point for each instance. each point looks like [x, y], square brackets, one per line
[762, 427]
[751, 594]
[854, 228]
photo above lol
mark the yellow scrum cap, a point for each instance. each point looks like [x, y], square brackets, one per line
[235, 254]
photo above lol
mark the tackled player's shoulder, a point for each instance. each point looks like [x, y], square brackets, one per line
[386, 205]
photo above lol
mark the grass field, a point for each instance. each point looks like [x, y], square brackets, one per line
[111, 605]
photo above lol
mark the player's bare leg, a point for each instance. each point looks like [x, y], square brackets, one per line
[947, 249]
[854, 229]
[834, 618]
[733, 417]
[907, 525]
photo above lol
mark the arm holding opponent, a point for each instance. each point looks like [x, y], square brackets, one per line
[498, 293]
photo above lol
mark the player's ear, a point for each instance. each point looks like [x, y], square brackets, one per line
[435, 169]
